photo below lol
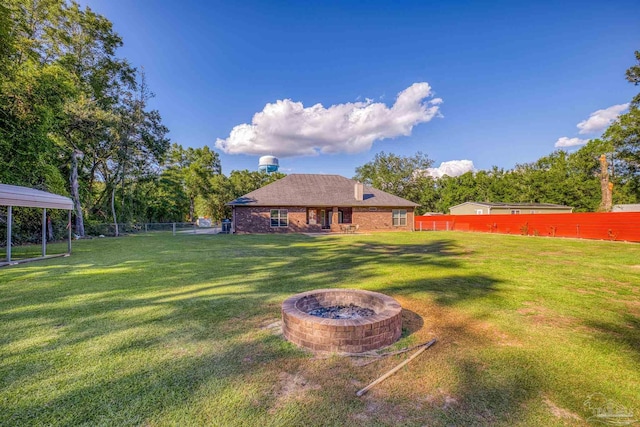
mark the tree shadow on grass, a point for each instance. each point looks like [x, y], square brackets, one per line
[166, 295]
[411, 322]
[625, 333]
[447, 290]
[106, 291]
[140, 395]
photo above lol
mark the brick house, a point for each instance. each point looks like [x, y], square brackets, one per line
[302, 203]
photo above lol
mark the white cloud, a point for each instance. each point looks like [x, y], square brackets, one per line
[600, 120]
[286, 128]
[451, 168]
[570, 142]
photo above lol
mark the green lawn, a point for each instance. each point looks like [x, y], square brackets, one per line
[163, 330]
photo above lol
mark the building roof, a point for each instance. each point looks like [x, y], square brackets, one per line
[633, 207]
[317, 190]
[13, 195]
[516, 205]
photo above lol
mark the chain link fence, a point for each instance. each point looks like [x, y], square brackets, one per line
[125, 228]
[27, 231]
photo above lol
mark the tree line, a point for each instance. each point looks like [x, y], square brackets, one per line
[573, 179]
[75, 120]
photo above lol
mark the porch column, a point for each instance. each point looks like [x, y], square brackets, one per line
[335, 226]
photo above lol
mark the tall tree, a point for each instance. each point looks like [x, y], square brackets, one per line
[624, 135]
[633, 76]
[197, 168]
[70, 107]
[403, 176]
[137, 145]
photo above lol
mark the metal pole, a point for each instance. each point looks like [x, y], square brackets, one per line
[44, 232]
[145, 227]
[9, 221]
[69, 238]
[174, 228]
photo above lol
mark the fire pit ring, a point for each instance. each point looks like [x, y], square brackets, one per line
[354, 335]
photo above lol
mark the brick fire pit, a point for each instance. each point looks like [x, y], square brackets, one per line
[341, 335]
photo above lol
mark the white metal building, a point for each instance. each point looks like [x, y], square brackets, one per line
[15, 196]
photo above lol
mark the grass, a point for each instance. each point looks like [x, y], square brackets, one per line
[174, 330]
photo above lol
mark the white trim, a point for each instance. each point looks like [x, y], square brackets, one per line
[13, 195]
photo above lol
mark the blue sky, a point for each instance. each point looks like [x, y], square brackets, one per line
[506, 80]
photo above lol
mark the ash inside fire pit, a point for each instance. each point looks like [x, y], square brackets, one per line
[350, 311]
[323, 320]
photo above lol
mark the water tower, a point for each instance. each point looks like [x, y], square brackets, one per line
[268, 164]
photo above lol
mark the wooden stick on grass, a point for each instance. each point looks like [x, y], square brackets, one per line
[396, 369]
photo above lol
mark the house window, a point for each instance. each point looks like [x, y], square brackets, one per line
[515, 212]
[279, 218]
[479, 212]
[399, 217]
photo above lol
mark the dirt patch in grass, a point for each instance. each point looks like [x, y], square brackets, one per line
[291, 387]
[380, 411]
[560, 412]
[543, 316]
[631, 307]
[453, 328]
[432, 378]
[584, 292]
[272, 325]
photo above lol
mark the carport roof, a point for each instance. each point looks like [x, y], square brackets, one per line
[13, 195]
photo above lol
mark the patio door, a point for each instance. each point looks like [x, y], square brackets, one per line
[325, 216]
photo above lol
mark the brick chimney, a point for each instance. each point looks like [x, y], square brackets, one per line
[359, 191]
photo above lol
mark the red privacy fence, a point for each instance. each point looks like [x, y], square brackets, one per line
[602, 226]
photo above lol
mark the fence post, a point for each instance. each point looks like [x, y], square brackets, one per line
[434, 228]
[44, 232]
[447, 225]
[194, 227]
[9, 221]
[145, 228]
[578, 230]
[69, 236]
[420, 225]
[174, 228]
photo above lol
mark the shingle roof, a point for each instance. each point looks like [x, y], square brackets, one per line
[515, 205]
[317, 190]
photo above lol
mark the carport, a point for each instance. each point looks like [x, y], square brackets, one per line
[13, 195]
